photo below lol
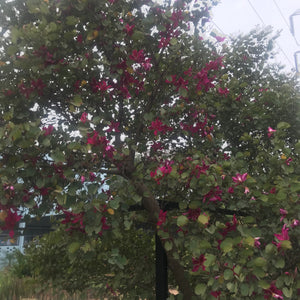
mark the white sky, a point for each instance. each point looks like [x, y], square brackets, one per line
[237, 16]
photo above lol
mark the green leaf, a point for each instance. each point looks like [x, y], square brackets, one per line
[58, 156]
[260, 262]
[283, 125]
[77, 101]
[285, 245]
[209, 259]
[279, 263]
[73, 247]
[227, 245]
[168, 246]
[263, 284]
[287, 292]
[200, 289]
[244, 289]
[203, 219]
[71, 20]
[228, 274]
[182, 220]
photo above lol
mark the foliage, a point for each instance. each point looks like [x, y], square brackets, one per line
[113, 110]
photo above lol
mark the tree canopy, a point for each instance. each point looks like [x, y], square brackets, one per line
[113, 110]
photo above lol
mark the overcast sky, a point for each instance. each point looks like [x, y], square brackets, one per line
[237, 16]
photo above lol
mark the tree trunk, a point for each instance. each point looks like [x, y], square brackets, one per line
[152, 207]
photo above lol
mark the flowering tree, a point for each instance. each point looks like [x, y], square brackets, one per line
[113, 104]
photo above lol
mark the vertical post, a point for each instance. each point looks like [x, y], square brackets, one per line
[161, 270]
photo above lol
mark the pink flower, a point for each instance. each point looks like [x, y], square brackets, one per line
[114, 126]
[273, 292]
[92, 176]
[239, 178]
[283, 213]
[198, 262]
[284, 236]
[161, 218]
[79, 38]
[257, 242]
[82, 179]
[193, 214]
[295, 223]
[83, 117]
[48, 130]
[246, 190]
[137, 56]
[270, 131]
[216, 294]
[11, 219]
[230, 190]
[224, 91]
[288, 161]
[213, 195]
[158, 126]
[129, 29]
[220, 39]
[156, 146]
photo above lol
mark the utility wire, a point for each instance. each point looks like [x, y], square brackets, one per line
[261, 19]
[218, 28]
[285, 21]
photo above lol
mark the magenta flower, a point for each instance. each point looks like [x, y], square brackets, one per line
[83, 117]
[224, 91]
[257, 242]
[11, 219]
[288, 161]
[230, 190]
[273, 292]
[239, 178]
[48, 130]
[220, 39]
[114, 126]
[295, 223]
[79, 38]
[198, 262]
[92, 176]
[283, 213]
[137, 56]
[161, 218]
[284, 236]
[246, 190]
[129, 29]
[271, 131]
[158, 126]
[216, 294]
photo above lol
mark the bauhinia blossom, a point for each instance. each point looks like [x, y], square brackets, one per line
[239, 178]
[198, 262]
[271, 131]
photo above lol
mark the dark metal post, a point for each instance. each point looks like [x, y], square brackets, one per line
[161, 270]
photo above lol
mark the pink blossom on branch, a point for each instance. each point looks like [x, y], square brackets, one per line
[11, 219]
[224, 91]
[239, 178]
[48, 130]
[220, 39]
[273, 292]
[161, 218]
[83, 117]
[284, 236]
[198, 262]
[271, 131]
[158, 126]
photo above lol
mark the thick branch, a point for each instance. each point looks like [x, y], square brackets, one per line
[152, 207]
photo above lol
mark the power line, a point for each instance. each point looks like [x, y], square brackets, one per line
[284, 19]
[261, 19]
